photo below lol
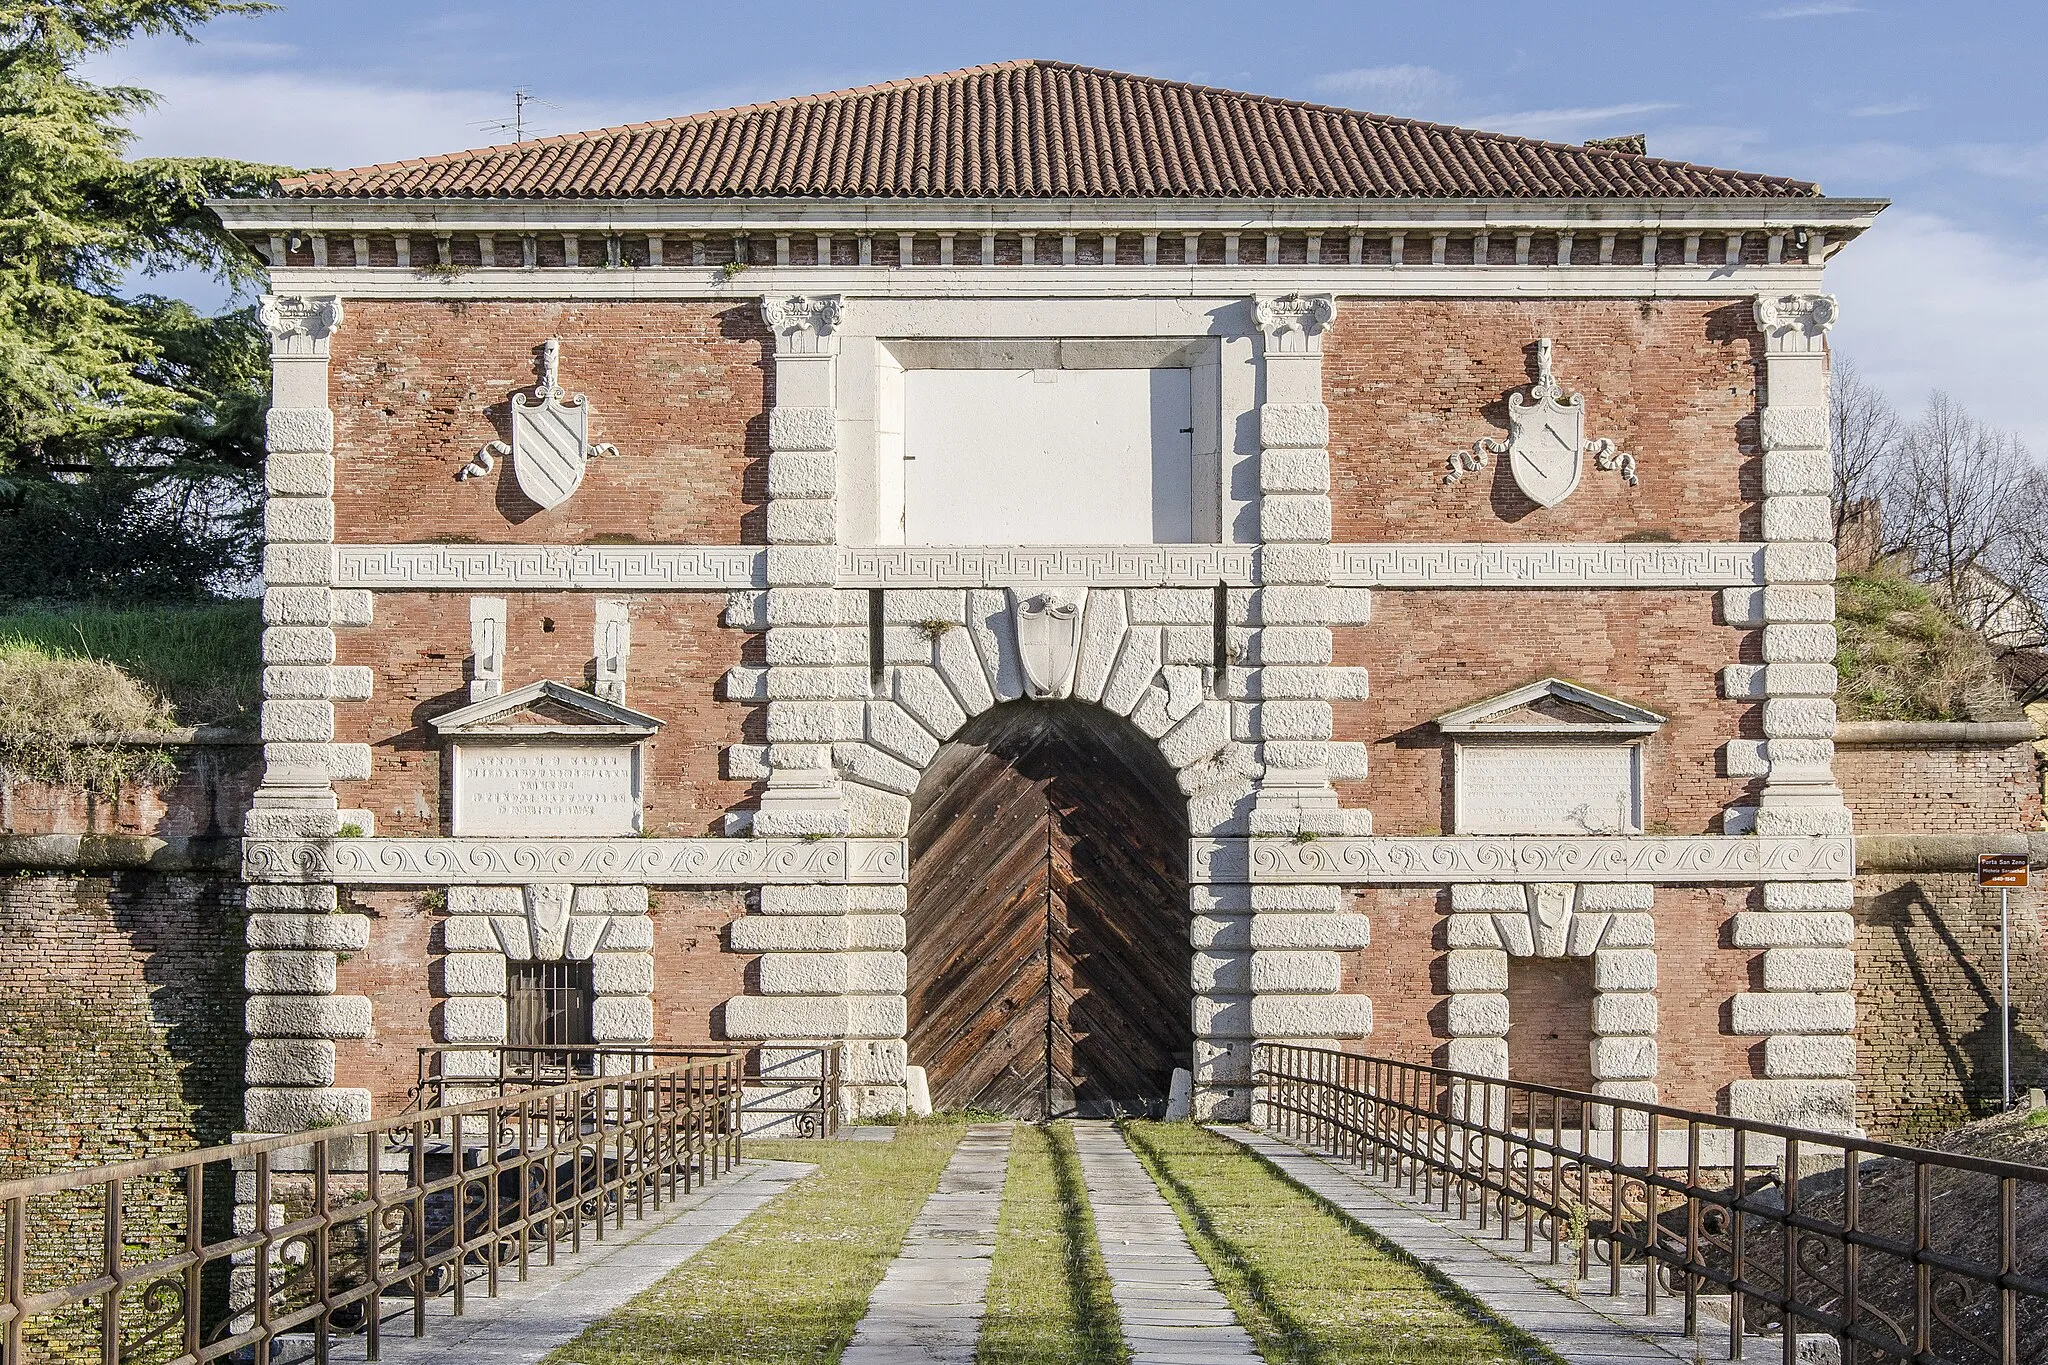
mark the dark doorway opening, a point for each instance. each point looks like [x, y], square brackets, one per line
[1050, 967]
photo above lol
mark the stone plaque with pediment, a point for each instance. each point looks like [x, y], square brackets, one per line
[1549, 758]
[547, 759]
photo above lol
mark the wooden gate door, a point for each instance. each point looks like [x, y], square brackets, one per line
[1048, 917]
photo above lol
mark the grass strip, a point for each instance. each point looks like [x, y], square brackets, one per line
[205, 658]
[1048, 1296]
[791, 1283]
[1310, 1285]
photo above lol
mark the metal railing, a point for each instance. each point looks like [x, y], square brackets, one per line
[232, 1251]
[1895, 1253]
[472, 1070]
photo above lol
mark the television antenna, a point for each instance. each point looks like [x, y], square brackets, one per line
[517, 125]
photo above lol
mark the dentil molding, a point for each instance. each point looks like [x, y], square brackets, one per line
[1390, 861]
[654, 568]
[659, 862]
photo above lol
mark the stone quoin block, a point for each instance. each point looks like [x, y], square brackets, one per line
[832, 973]
[1222, 1016]
[1217, 971]
[816, 933]
[812, 607]
[1793, 1055]
[1809, 603]
[1801, 680]
[894, 731]
[1294, 563]
[1285, 426]
[307, 1016]
[298, 645]
[1285, 972]
[1294, 471]
[1311, 1016]
[802, 565]
[1798, 518]
[295, 1109]
[1797, 562]
[621, 1019]
[803, 521]
[1754, 1013]
[1825, 1104]
[816, 646]
[1499, 896]
[1799, 718]
[1476, 969]
[1618, 1013]
[1799, 644]
[1477, 1016]
[473, 973]
[627, 933]
[1792, 472]
[308, 722]
[301, 519]
[473, 1019]
[1809, 895]
[1170, 607]
[299, 476]
[1477, 1056]
[1294, 516]
[288, 972]
[815, 722]
[300, 565]
[794, 1016]
[289, 1061]
[1220, 931]
[794, 475]
[1471, 931]
[321, 933]
[1792, 929]
[1809, 969]
[1625, 1059]
[1632, 969]
[486, 900]
[1333, 931]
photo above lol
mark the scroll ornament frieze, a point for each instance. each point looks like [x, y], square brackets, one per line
[1426, 860]
[550, 446]
[1546, 443]
[520, 861]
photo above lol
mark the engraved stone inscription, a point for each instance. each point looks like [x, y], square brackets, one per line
[1574, 788]
[547, 789]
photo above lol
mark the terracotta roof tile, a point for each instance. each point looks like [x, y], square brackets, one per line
[1034, 130]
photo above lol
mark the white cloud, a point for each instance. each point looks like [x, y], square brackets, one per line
[1928, 304]
[1391, 89]
[1556, 123]
[1826, 9]
[1912, 106]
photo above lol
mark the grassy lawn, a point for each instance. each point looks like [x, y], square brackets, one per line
[204, 659]
[790, 1284]
[1306, 1282]
[1048, 1299]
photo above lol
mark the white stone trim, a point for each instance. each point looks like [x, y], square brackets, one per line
[1427, 860]
[683, 568]
[652, 862]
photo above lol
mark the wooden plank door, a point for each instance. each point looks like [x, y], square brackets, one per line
[1048, 917]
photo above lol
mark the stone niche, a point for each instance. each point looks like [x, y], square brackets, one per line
[545, 760]
[1549, 758]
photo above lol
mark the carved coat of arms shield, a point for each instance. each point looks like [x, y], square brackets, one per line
[1048, 637]
[1548, 436]
[550, 435]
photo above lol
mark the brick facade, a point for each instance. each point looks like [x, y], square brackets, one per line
[1960, 788]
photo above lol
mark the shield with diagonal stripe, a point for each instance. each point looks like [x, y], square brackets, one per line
[550, 446]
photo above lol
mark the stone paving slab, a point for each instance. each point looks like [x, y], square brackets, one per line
[555, 1304]
[1592, 1330]
[1172, 1312]
[929, 1305]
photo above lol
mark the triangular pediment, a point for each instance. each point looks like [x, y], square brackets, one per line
[1551, 707]
[546, 708]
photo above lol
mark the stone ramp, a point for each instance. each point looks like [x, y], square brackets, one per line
[1518, 1288]
[555, 1304]
[1172, 1312]
[930, 1303]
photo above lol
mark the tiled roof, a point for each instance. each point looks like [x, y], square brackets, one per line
[1036, 130]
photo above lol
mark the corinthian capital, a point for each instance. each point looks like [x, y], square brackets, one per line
[803, 323]
[1294, 323]
[1796, 323]
[299, 324]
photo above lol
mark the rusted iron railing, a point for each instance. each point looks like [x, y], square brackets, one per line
[799, 1082]
[237, 1251]
[1892, 1253]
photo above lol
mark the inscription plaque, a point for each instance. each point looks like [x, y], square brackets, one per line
[1569, 788]
[549, 789]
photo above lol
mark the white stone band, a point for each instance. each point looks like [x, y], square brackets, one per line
[653, 862]
[1389, 861]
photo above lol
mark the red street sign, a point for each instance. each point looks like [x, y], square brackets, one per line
[2001, 869]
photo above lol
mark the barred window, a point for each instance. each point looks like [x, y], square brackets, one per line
[548, 1004]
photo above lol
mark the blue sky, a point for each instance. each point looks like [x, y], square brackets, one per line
[1936, 106]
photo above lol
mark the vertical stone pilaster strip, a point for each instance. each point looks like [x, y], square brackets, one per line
[1806, 1011]
[825, 705]
[295, 933]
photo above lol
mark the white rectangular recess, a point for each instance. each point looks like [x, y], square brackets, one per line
[1526, 786]
[565, 790]
[1047, 442]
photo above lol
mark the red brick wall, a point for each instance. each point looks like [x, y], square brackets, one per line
[400, 973]
[1698, 975]
[1673, 382]
[1430, 652]
[1402, 971]
[204, 798]
[1550, 1021]
[418, 651]
[681, 388]
[1946, 788]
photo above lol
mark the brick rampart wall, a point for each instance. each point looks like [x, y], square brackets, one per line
[204, 799]
[1940, 788]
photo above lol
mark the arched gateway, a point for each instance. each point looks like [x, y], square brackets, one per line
[1049, 961]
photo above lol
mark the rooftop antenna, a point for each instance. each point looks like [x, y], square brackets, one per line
[516, 125]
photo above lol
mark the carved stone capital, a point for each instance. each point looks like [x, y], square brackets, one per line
[299, 324]
[803, 323]
[1293, 324]
[1795, 324]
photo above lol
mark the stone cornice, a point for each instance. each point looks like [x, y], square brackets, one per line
[653, 862]
[1045, 215]
[1223, 283]
[1391, 861]
[653, 568]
